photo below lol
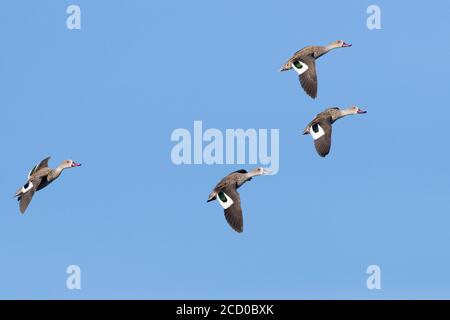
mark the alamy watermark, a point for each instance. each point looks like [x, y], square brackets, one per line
[73, 21]
[374, 20]
[73, 281]
[234, 146]
[374, 279]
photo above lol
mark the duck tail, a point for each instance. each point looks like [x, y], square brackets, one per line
[212, 196]
[18, 193]
[286, 66]
[24, 189]
[306, 131]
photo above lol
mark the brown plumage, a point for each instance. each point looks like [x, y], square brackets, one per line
[38, 178]
[308, 56]
[321, 127]
[228, 187]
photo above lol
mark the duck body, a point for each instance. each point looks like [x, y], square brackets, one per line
[38, 178]
[320, 128]
[235, 179]
[226, 190]
[308, 56]
[304, 53]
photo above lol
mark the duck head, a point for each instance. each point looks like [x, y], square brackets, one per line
[356, 110]
[340, 44]
[69, 164]
[260, 171]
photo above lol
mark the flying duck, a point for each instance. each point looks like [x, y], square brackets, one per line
[304, 63]
[226, 194]
[320, 127]
[38, 178]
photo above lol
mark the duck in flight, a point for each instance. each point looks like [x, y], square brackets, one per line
[320, 127]
[225, 192]
[38, 178]
[304, 62]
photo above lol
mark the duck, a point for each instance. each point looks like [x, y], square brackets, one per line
[228, 197]
[320, 127]
[304, 62]
[39, 177]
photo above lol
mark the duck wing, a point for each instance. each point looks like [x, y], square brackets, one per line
[27, 192]
[320, 130]
[308, 79]
[233, 214]
[39, 166]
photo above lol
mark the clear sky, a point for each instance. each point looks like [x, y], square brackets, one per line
[111, 94]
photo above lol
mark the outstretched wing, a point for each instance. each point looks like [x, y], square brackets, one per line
[321, 132]
[233, 214]
[40, 165]
[25, 198]
[308, 79]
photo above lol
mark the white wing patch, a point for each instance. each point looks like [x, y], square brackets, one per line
[318, 134]
[26, 187]
[300, 68]
[225, 204]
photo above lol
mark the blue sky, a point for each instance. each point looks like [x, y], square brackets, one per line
[110, 95]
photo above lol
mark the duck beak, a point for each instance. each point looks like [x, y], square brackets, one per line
[361, 111]
[76, 164]
[267, 171]
[346, 45]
